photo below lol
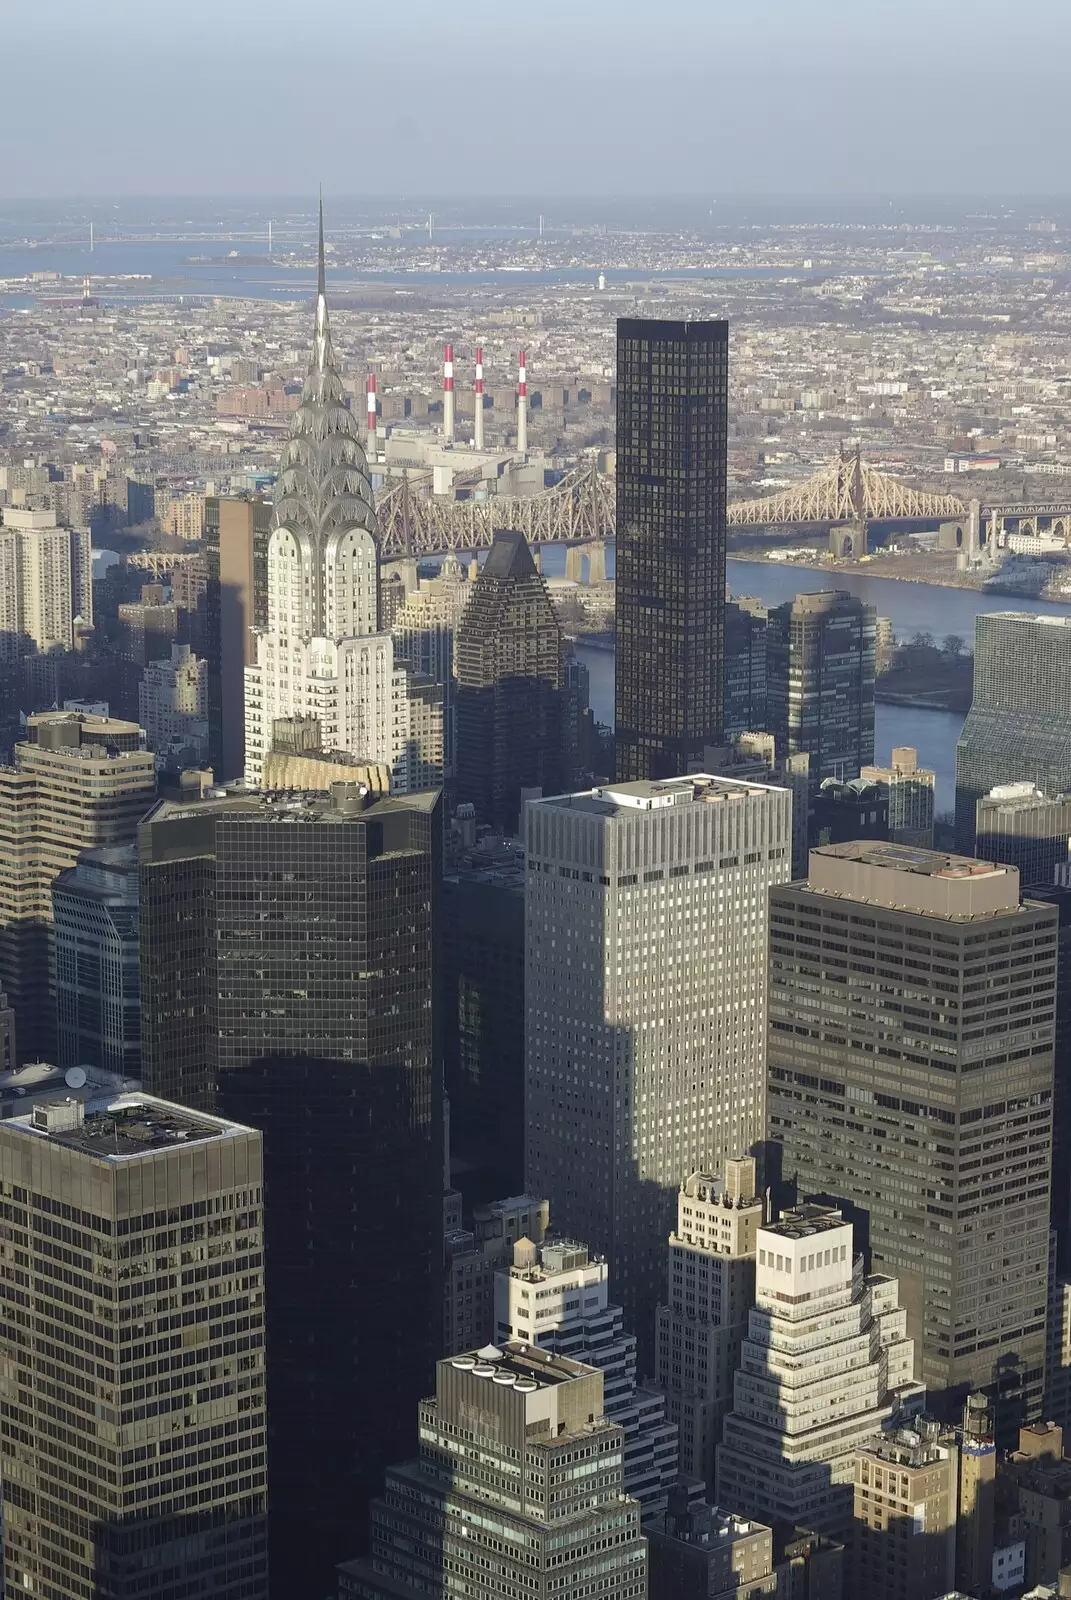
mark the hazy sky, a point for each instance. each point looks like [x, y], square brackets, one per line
[541, 97]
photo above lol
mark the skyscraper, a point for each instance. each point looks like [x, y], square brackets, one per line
[910, 791]
[911, 1079]
[95, 913]
[173, 703]
[672, 427]
[509, 666]
[703, 1317]
[288, 977]
[322, 654]
[645, 995]
[424, 630]
[820, 682]
[826, 1364]
[1017, 824]
[1018, 729]
[556, 1295]
[79, 781]
[43, 588]
[483, 1024]
[133, 1452]
[233, 611]
[518, 1490]
[745, 667]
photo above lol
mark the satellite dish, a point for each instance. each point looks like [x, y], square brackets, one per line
[75, 1077]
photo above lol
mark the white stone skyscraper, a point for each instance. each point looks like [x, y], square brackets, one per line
[322, 654]
[826, 1365]
[645, 1002]
[557, 1295]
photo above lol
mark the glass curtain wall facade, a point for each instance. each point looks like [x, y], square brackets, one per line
[672, 423]
[820, 682]
[313, 990]
[1018, 729]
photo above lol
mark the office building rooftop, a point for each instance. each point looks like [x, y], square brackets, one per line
[117, 1127]
[909, 878]
[621, 799]
[524, 1367]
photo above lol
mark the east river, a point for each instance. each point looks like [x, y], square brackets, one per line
[912, 607]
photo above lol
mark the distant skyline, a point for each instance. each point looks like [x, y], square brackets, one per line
[249, 97]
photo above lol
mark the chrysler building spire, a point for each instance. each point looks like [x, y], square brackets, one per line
[323, 485]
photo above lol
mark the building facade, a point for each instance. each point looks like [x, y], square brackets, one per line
[826, 1364]
[302, 963]
[702, 1322]
[910, 790]
[95, 915]
[906, 1511]
[424, 630]
[645, 1047]
[745, 667]
[165, 1493]
[1017, 824]
[173, 706]
[931, 1115]
[672, 428]
[519, 1488]
[42, 572]
[78, 782]
[1018, 729]
[483, 1024]
[233, 610]
[557, 1295]
[820, 682]
[509, 664]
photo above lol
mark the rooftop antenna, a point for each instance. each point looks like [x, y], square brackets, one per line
[321, 281]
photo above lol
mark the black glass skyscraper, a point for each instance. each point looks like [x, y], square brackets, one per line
[312, 997]
[510, 671]
[672, 411]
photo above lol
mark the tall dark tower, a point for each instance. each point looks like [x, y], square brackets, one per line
[510, 670]
[311, 990]
[672, 420]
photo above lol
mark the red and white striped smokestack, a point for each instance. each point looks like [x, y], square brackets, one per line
[522, 406]
[478, 431]
[448, 393]
[373, 444]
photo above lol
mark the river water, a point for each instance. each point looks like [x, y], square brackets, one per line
[912, 607]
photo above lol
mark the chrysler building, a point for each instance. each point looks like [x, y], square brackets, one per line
[322, 655]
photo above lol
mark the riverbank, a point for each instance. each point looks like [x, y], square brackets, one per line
[929, 570]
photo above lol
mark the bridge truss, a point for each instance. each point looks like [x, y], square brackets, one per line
[583, 507]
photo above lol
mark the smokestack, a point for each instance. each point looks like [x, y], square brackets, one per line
[373, 441]
[522, 406]
[448, 393]
[478, 434]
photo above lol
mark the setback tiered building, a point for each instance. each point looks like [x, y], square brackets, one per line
[557, 1296]
[826, 1364]
[519, 1489]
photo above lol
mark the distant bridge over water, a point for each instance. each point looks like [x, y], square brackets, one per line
[582, 508]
